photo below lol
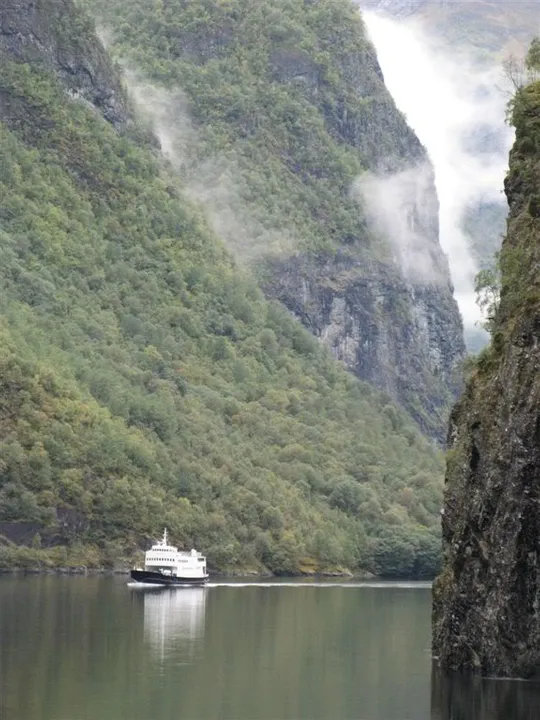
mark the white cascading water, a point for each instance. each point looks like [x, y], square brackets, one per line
[453, 104]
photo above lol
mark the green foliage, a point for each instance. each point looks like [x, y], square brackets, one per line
[261, 87]
[487, 286]
[145, 381]
[283, 93]
[520, 288]
[532, 60]
[396, 556]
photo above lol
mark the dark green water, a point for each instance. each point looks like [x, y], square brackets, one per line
[93, 649]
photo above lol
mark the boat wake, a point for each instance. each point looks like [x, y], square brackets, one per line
[416, 585]
[413, 585]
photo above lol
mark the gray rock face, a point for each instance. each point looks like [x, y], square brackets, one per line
[401, 337]
[487, 600]
[395, 323]
[56, 36]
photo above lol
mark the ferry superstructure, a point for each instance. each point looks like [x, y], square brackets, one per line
[164, 564]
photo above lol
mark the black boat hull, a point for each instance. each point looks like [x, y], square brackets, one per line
[156, 578]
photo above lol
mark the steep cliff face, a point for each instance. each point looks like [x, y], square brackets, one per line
[487, 600]
[36, 32]
[391, 320]
[402, 337]
[294, 96]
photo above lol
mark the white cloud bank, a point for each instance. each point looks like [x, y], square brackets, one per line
[457, 109]
[403, 209]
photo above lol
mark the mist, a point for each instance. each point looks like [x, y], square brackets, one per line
[403, 209]
[215, 183]
[457, 108]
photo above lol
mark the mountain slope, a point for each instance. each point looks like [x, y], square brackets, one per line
[311, 175]
[144, 378]
[486, 600]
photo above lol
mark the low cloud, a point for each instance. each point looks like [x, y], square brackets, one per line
[403, 209]
[457, 108]
[215, 183]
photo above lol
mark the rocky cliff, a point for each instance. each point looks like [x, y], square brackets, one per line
[293, 98]
[37, 32]
[486, 601]
[401, 336]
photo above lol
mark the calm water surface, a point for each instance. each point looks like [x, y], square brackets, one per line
[94, 649]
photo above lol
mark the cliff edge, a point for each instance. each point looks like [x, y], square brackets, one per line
[487, 599]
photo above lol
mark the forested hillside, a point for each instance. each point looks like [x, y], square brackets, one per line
[145, 381]
[309, 173]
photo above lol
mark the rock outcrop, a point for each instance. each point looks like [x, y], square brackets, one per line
[487, 599]
[402, 337]
[36, 32]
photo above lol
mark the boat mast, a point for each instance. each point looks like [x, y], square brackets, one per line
[165, 536]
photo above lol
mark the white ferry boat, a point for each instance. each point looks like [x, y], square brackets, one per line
[165, 565]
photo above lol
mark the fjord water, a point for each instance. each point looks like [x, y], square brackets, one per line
[85, 648]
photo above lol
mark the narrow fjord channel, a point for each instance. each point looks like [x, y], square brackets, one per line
[84, 648]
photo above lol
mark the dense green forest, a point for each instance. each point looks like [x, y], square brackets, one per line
[145, 381]
[272, 110]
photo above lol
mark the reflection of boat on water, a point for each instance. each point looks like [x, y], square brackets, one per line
[173, 618]
[165, 565]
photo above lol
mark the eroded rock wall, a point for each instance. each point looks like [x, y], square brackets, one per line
[37, 32]
[487, 600]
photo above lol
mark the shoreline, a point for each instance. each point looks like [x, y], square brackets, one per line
[229, 575]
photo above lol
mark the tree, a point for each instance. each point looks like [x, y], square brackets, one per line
[515, 71]
[487, 286]
[523, 71]
[532, 60]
